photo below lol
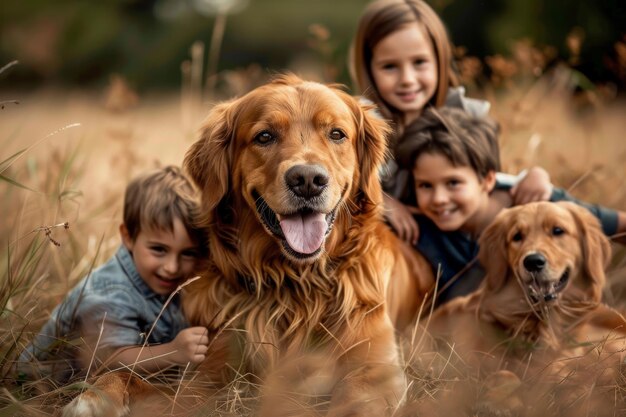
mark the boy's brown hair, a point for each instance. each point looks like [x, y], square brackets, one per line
[153, 200]
[463, 139]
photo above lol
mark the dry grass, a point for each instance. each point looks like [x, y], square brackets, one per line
[78, 174]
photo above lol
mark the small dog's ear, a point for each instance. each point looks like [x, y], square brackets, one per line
[492, 254]
[371, 147]
[209, 159]
[596, 249]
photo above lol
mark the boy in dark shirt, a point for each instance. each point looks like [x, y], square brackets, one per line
[454, 158]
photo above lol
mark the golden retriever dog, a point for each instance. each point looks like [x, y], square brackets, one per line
[539, 309]
[301, 262]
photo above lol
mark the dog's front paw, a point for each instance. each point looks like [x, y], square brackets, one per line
[97, 404]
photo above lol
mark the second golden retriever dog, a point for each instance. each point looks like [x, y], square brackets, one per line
[301, 262]
[539, 311]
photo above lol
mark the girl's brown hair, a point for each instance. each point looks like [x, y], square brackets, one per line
[383, 17]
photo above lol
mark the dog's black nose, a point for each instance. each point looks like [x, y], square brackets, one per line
[534, 262]
[549, 297]
[306, 181]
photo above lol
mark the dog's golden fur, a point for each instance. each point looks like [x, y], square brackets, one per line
[542, 294]
[336, 299]
[270, 295]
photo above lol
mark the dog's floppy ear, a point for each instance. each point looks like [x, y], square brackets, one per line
[371, 146]
[209, 159]
[596, 249]
[492, 253]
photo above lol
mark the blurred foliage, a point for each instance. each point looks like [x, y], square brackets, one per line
[588, 35]
[81, 43]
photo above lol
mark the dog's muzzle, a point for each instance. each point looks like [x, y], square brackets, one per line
[540, 288]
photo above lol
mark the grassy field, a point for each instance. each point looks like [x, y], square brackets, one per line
[65, 157]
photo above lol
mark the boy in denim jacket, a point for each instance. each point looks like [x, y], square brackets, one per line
[122, 309]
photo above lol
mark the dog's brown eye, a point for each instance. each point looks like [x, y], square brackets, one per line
[337, 135]
[557, 231]
[264, 138]
[517, 237]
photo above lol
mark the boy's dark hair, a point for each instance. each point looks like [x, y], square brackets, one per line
[464, 139]
[153, 200]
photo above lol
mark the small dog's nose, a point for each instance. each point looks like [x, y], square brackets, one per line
[306, 181]
[534, 262]
[549, 297]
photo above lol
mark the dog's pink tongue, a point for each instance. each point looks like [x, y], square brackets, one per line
[304, 232]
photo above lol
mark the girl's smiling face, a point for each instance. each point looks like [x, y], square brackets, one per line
[453, 197]
[404, 70]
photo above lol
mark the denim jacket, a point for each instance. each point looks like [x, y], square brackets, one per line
[114, 299]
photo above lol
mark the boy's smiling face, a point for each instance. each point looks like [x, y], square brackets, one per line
[453, 197]
[164, 259]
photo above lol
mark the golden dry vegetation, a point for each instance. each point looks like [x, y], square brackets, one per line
[65, 157]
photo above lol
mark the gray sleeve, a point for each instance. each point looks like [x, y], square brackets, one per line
[506, 181]
[472, 106]
[607, 216]
[387, 174]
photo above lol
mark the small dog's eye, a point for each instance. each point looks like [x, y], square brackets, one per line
[517, 237]
[264, 138]
[337, 135]
[557, 231]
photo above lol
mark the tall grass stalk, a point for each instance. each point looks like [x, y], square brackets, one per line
[217, 37]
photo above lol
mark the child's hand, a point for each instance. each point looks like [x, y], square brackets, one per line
[191, 345]
[401, 219]
[535, 186]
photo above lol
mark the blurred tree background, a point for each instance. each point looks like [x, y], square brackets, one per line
[81, 43]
